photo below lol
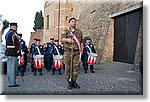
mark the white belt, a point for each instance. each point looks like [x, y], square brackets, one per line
[10, 46]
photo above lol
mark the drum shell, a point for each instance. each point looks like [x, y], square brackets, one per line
[20, 61]
[92, 58]
[39, 61]
[58, 61]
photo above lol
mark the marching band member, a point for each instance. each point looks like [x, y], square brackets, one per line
[31, 53]
[49, 55]
[88, 46]
[22, 56]
[57, 50]
[38, 50]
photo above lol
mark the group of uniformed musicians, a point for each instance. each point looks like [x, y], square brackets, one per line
[49, 55]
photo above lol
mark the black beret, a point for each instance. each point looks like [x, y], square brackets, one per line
[20, 34]
[56, 40]
[13, 24]
[51, 38]
[62, 43]
[88, 38]
[35, 39]
[38, 40]
[73, 18]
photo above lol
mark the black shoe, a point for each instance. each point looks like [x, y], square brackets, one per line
[32, 70]
[85, 71]
[41, 74]
[53, 73]
[76, 85]
[14, 86]
[22, 74]
[48, 70]
[92, 71]
[17, 74]
[70, 85]
[34, 74]
[60, 73]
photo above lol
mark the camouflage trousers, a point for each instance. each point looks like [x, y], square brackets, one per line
[67, 62]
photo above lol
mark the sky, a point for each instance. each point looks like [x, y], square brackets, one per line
[21, 12]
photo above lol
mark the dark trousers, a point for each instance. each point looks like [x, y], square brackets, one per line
[25, 62]
[37, 69]
[54, 69]
[32, 64]
[21, 70]
[49, 61]
[63, 66]
[49, 65]
[86, 66]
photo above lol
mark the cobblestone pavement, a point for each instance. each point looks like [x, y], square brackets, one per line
[113, 78]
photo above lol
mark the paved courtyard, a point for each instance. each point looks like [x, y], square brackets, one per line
[112, 78]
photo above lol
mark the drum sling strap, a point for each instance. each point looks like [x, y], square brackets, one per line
[89, 48]
[57, 50]
[38, 50]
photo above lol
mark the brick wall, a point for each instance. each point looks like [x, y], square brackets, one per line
[37, 34]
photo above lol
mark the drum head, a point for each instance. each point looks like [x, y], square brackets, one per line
[93, 54]
[58, 57]
[39, 56]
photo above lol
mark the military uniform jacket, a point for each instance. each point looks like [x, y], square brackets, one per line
[22, 45]
[12, 40]
[59, 49]
[85, 50]
[78, 34]
[49, 48]
[35, 51]
[32, 48]
[44, 49]
[91, 46]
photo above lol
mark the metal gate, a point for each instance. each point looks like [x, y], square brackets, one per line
[126, 28]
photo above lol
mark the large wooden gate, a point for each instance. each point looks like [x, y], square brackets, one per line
[126, 28]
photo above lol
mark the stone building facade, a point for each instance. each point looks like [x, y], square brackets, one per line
[94, 19]
[37, 34]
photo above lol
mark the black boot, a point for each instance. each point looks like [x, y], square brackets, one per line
[76, 85]
[41, 73]
[59, 72]
[69, 84]
[53, 72]
[85, 71]
[22, 73]
[92, 71]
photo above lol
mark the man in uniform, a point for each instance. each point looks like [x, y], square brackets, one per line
[44, 51]
[49, 55]
[88, 46]
[31, 50]
[72, 38]
[23, 53]
[38, 50]
[57, 50]
[12, 51]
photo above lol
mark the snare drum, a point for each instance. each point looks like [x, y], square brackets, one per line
[58, 61]
[39, 61]
[92, 58]
[20, 60]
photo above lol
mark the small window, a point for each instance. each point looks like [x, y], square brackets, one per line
[47, 22]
